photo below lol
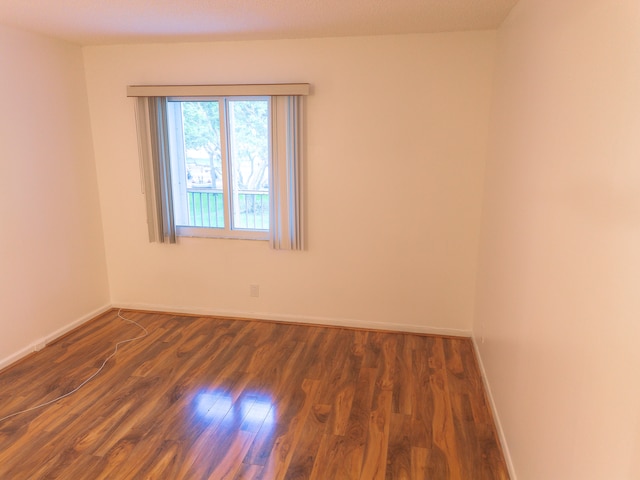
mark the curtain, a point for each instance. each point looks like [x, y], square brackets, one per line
[153, 145]
[286, 179]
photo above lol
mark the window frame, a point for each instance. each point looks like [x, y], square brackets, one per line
[227, 182]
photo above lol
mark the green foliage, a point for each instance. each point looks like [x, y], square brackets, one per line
[249, 138]
[250, 143]
[201, 123]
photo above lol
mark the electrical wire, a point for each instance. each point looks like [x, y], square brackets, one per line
[94, 375]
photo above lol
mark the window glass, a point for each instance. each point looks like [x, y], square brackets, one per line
[219, 155]
[249, 159]
[202, 164]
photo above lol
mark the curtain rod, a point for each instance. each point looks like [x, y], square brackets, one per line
[271, 89]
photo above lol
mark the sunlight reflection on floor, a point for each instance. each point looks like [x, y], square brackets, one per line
[252, 410]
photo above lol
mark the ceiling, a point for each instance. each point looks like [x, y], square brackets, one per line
[94, 22]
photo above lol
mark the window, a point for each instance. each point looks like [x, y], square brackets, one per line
[222, 161]
[220, 155]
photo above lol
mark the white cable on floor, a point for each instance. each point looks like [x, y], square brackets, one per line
[146, 333]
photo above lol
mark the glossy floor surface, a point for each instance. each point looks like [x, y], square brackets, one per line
[205, 398]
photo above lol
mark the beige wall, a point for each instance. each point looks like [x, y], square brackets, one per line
[559, 284]
[396, 135]
[52, 264]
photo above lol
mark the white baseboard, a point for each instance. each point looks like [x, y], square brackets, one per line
[329, 321]
[42, 342]
[496, 417]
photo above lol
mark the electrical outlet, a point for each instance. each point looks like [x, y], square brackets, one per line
[254, 290]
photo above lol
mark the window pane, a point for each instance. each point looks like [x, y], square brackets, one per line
[203, 164]
[249, 155]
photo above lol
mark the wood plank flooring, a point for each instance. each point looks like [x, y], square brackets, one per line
[207, 398]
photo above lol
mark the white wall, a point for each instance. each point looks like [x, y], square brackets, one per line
[52, 263]
[396, 131]
[559, 284]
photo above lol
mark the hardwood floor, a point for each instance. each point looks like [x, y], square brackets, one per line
[206, 398]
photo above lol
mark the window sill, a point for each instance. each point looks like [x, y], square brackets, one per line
[198, 232]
